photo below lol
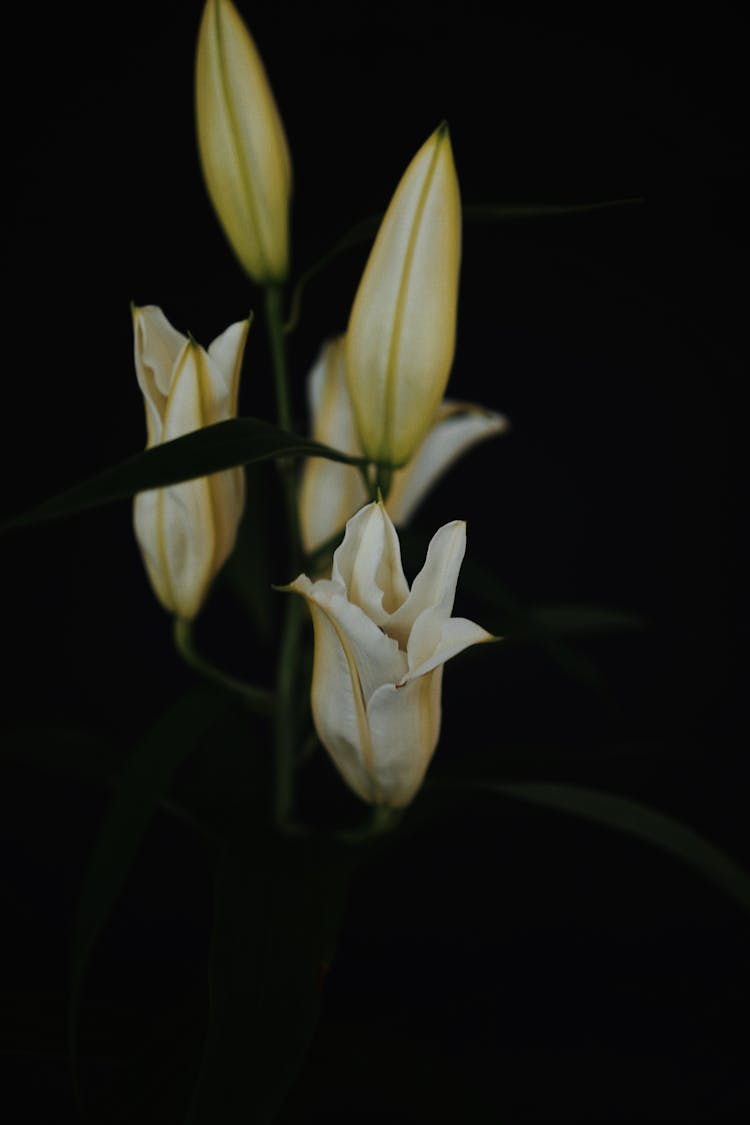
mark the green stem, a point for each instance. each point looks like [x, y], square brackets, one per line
[275, 325]
[258, 699]
[287, 686]
[383, 480]
[287, 671]
[380, 821]
[368, 478]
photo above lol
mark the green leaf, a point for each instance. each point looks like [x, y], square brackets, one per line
[504, 212]
[517, 623]
[278, 906]
[238, 441]
[573, 620]
[639, 820]
[366, 229]
[363, 231]
[143, 783]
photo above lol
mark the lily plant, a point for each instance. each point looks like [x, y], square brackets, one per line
[382, 434]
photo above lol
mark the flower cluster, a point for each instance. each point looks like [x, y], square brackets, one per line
[376, 393]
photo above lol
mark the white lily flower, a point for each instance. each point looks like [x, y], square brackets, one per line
[241, 143]
[186, 531]
[402, 329]
[379, 654]
[331, 492]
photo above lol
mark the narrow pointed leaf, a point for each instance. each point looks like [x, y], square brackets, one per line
[516, 622]
[639, 820]
[365, 230]
[278, 906]
[238, 441]
[568, 620]
[504, 212]
[144, 781]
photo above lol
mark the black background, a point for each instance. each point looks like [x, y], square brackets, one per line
[510, 964]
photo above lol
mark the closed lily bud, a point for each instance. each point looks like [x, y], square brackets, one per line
[380, 648]
[242, 145]
[186, 531]
[401, 335]
[331, 492]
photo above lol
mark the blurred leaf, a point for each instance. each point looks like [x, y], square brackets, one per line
[519, 624]
[363, 231]
[592, 765]
[223, 789]
[60, 749]
[505, 212]
[144, 781]
[570, 619]
[366, 229]
[278, 906]
[238, 441]
[641, 821]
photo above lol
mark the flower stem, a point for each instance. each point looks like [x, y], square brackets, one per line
[380, 821]
[258, 699]
[288, 663]
[383, 479]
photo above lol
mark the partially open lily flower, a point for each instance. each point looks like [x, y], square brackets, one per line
[186, 531]
[380, 648]
[331, 492]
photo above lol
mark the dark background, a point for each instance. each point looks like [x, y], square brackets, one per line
[509, 963]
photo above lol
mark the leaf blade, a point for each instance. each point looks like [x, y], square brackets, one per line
[237, 441]
[278, 905]
[144, 781]
[639, 820]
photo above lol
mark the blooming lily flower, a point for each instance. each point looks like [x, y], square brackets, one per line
[241, 143]
[401, 334]
[186, 531]
[379, 654]
[331, 492]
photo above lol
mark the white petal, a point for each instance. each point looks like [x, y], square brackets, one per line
[435, 585]
[184, 411]
[338, 707]
[459, 427]
[227, 502]
[433, 640]
[368, 562]
[174, 527]
[332, 420]
[404, 727]
[157, 347]
[352, 659]
[224, 366]
[377, 657]
[330, 492]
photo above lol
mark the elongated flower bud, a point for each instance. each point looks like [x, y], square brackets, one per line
[402, 329]
[241, 142]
